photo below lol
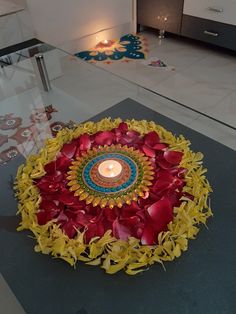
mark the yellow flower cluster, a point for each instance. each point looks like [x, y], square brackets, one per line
[108, 252]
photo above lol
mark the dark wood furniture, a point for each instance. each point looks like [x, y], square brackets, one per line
[190, 18]
[161, 14]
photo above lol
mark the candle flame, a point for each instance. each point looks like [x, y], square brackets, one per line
[110, 168]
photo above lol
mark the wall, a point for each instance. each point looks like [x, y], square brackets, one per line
[63, 22]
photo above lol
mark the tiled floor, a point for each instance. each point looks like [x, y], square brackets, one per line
[204, 78]
[90, 89]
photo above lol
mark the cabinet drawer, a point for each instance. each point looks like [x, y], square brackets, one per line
[215, 10]
[161, 14]
[219, 34]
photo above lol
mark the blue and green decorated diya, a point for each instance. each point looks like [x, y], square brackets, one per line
[89, 184]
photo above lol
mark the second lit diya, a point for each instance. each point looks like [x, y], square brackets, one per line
[106, 43]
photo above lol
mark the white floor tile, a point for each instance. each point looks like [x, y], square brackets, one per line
[216, 131]
[225, 110]
[9, 303]
[197, 94]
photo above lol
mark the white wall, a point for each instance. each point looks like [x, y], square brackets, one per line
[61, 22]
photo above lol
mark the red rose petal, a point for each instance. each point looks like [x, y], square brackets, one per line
[161, 186]
[180, 172]
[123, 127]
[164, 181]
[44, 216]
[148, 151]
[148, 236]
[62, 218]
[84, 142]
[109, 214]
[130, 137]
[48, 205]
[48, 187]
[50, 168]
[94, 230]
[173, 197]
[82, 218]
[67, 199]
[151, 139]
[77, 206]
[69, 149]
[161, 162]
[62, 162]
[57, 176]
[159, 146]
[133, 134]
[190, 196]
[70, 228]
[117, 133]
[161, 210]
[120, 231]
[161, 213]
[173, 157]
[130, 222]
[100, 228]
[104, 138]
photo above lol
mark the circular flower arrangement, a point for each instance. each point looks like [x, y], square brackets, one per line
[122, 195]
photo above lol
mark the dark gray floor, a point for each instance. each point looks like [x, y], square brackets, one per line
[202, 280]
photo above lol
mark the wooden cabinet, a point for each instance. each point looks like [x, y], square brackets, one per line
[214, 10]
[211, 21]
[219, 34]
[161, 14]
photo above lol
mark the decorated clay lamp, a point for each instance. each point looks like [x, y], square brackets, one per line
[106, 43]
[109, 169]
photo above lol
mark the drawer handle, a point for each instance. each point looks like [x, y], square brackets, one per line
[211, 33]
[217, 10]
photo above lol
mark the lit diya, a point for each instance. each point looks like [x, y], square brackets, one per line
[105, 44]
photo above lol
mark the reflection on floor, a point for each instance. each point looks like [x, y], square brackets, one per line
[24, 134]
[204, 78]
[81, 90]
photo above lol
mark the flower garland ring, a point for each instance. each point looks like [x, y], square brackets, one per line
[122, 195]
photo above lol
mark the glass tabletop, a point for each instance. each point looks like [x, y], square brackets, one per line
[79, 90]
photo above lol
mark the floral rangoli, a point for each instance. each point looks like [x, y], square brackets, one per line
[128, 47]
[140, 210]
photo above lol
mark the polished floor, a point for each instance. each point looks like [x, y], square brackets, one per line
[203, 80]
[204, 77]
